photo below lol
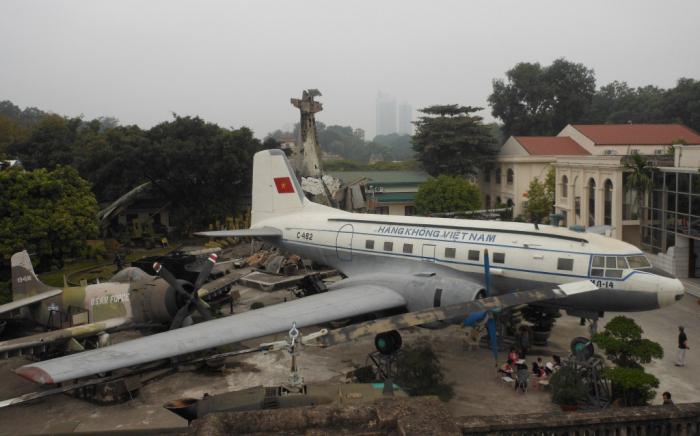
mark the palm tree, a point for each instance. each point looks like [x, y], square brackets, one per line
[639, 177]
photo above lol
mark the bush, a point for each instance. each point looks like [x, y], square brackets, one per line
[632, 385]
[419, 373]
[567, 387]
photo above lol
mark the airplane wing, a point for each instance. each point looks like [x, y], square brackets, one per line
[14, 305]
[217, 284]
[262, 232]
[40, 341]
[338, 304]
[311, 310]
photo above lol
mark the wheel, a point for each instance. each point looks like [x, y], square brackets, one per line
[388, 343]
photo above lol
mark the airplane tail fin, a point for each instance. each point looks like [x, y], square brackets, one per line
[25, 283]
[276, 190]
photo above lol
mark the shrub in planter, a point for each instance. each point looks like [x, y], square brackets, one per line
[567, 387]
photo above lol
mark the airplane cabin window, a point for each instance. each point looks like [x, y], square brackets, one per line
[473, 255]
[450, 252]
[565, 264]
[408, 248]
[499, 257]
[388, 246]
[369, 244]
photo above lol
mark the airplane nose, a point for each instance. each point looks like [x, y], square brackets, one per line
[670, 291]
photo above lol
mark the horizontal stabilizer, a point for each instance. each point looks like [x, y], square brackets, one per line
[262, 232]
[14, 305]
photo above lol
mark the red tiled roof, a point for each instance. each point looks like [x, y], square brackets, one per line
[550, 145]
[637, 134]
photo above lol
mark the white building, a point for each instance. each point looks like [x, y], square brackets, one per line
[590, 166]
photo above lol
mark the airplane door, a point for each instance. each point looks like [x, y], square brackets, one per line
[428, 254]
[343, 242]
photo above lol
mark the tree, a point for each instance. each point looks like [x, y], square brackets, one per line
[682, 103]
[638, 177]
[539, 203]
[624, 346]
[450, 140]
[420, 373]
[50, 213]
[447, 194]
[49, 144]
[536, 100]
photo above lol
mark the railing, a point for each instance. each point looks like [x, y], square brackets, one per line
[683, 419]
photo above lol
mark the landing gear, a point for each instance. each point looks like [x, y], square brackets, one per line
[388, 343]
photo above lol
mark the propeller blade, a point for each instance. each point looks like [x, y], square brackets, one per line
[180, 316]
[206, 270]
[170, 278]
[202, 307]
[487, 273]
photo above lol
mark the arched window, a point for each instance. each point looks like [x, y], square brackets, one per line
[487, 202]
[509, 202]
[564, 186]
[498, 176]
[591, 202]
[509, 176]
[498, 202]
[607, 209]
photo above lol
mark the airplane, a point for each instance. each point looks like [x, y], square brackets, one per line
[431, 268]
[130, 299]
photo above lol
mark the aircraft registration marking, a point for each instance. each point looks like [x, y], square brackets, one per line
[305, 235]
[24, 279]
[604, 283]
[107, 299]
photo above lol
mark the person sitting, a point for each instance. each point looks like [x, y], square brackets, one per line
[506, 370]
[557, 362]
[538, 368]
[548, 369]
[522, 375]
[513, 356]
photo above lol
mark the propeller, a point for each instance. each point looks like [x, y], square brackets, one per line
[191, 299]
[478, 317]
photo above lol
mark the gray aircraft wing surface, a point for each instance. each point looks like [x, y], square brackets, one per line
[315, 309]
[262, 232]
[14, 305]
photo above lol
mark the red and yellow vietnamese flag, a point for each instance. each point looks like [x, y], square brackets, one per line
[284, 185]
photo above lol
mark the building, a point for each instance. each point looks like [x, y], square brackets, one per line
[386, 114]
[405, 119]
[520, 160]
[387, 192]
[671, 217]
[590, 164]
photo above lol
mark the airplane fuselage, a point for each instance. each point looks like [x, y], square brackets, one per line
[522, 256]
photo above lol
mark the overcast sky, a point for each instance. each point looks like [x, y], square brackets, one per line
[238, 62]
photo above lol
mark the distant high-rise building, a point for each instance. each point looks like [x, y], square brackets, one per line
[405, 118]
[386, 114]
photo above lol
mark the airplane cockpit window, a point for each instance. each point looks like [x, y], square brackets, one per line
[638, 262]
[608, 266]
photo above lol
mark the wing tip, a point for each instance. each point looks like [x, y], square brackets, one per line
[34, 374]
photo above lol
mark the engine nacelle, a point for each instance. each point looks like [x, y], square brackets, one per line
[423, 291]
[157, 304]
